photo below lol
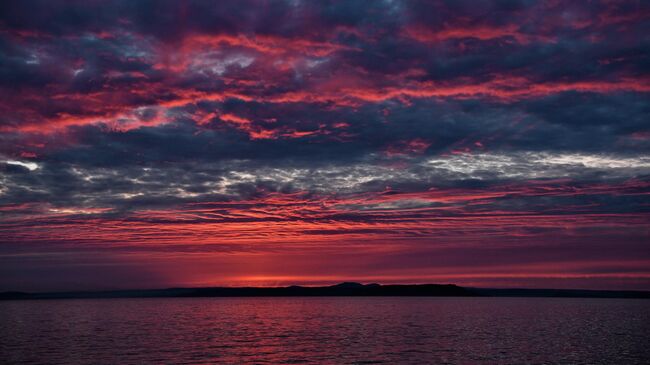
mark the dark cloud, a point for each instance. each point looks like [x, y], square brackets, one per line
[128, 123]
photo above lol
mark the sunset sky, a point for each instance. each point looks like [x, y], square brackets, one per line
[148, 144]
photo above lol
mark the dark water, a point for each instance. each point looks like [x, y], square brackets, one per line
[326, 331]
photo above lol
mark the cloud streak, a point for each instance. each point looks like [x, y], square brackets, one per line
[484, 143]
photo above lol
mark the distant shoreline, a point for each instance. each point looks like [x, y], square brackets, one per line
[340, 290]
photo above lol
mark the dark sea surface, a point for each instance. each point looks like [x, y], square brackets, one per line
[331, 330]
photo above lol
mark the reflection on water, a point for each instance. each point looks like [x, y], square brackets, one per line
[326, 330]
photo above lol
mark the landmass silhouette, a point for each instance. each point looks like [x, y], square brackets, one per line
[351, 289]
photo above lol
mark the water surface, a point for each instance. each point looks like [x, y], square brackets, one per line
[332, 330]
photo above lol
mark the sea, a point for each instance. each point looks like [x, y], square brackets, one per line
[326, 330]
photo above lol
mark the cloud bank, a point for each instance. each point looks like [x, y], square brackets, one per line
[499, 143]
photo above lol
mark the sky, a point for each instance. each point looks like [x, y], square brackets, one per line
[150, 144]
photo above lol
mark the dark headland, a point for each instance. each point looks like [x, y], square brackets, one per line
[343, 289]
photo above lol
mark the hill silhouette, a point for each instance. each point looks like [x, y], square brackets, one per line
[351, 289]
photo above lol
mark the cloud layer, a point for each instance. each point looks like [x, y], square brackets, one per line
[190, 143]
